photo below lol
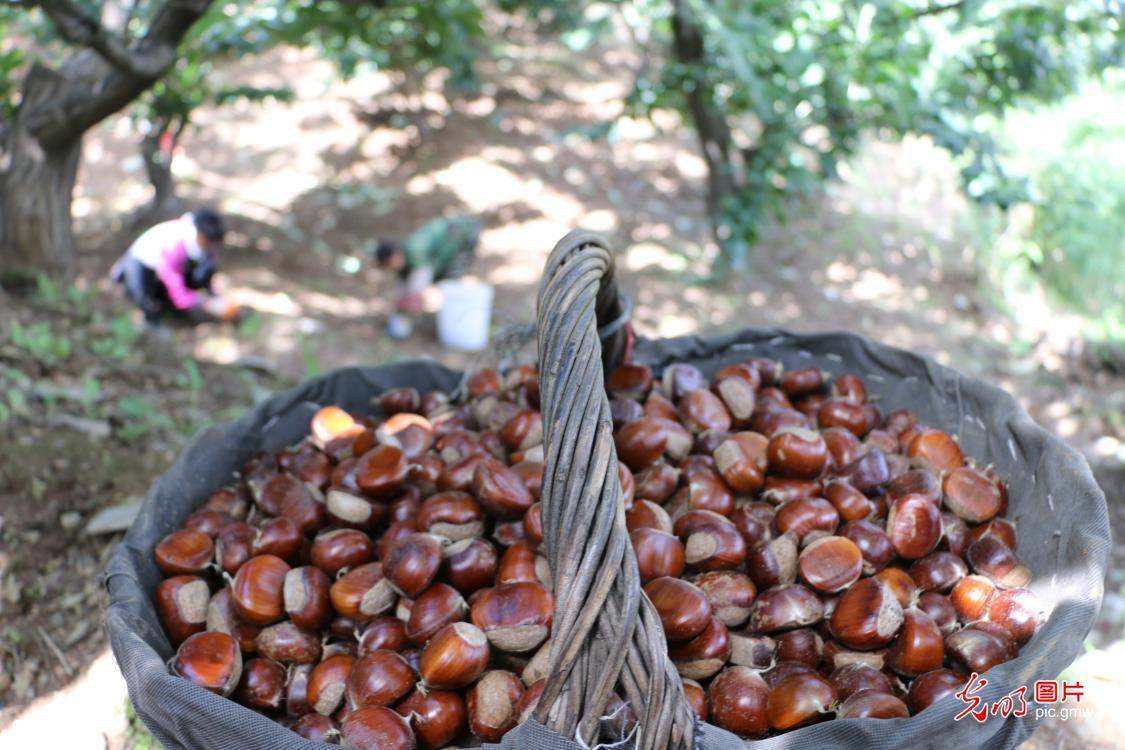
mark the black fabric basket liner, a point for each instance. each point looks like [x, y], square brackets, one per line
[1059, 509]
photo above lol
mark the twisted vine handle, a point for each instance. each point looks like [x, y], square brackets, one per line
[605, 632]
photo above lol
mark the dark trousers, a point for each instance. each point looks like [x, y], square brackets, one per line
[148, 292]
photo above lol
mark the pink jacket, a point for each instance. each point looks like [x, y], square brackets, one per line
[166, 248]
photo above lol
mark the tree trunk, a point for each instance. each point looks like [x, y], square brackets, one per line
[36, 185]
[714, 134]
[158, 166]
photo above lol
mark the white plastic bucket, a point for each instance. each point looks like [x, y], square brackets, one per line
[465, 315]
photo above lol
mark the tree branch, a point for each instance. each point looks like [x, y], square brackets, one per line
[933, 10]
[75, 26]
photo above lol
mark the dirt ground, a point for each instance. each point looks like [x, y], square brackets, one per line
[884, 252]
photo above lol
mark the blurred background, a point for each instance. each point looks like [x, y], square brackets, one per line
[945, 176]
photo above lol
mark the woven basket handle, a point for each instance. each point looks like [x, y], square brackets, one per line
[605, 631]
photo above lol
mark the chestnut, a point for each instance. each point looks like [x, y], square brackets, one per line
[305, 596]
[327, 683]
[285, 642]
[696, 698]
[629, 381]
[381, 471]
[738, 699]
[738, 393]
[520, 563]
[803, 381]
[316, 728]
[857, 677]
[867, 616]
[384, 632]
[257, 591]
[362, 593]
[741, 461]
[234, 546]
[919, 646]
[376, 728]
[436, 607]
[680, 378]
[305, 507]
[230, 500]
[975, 650]
[873, 544]
[280, 537]
[1017, 610]
[843, 446]
[868, 472]
[184, 552]
[913, 526]
[436, 716]
[516, 617]
[783, 490]
[223, 618]
[492, 704]
[798, 700]
[469, 565]
[955, 535]
[938, 571]
[830, 564]
[784, 608]
[682, 607]
[759, 652]
[647, 515]
[797, 453]
[971, 495]
[844, 413]
[332, 423]
[345, 508]
[1001, 528]
[657, 405]
[754, 520]
[931, 687]
[412, 563]
[455, 657]
[181, 602]
[850, 503]
[210, 660]
[530, 700]
[701, 410]
[715, 546]
[656, 482]
[775, 562]
[644, 441]
[730, 594]
[802, 644]
[208, 521]
[901, 584]
[452, 515]
[935, 450]
[379, 679]
[971, 596]
[915, 482]
[703, 655]
[805, 515]
[658, 554]
[458, 475]
[990, 557]
[941, 611]
[872, 704]
[500, 490]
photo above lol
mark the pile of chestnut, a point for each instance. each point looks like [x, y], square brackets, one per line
[380, 584]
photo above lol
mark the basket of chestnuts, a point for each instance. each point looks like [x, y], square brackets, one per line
[764, 539]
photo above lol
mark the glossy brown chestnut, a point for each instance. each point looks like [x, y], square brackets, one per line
[738, 702]
[492, 704]
[806, 515]
[658, 554]
[516, 617]
[181, 602]
[223, 618]
[647, 515]
[784, 608]
[469, 565]
[1017, 610]
[656, 482]
[257, 591]
[455, 657]
[741, 461]
[782, 490]
[974, 650]
[872, 704]
[412, 564]
[938, 571]
[901, 584]
[521, 563]
[696, 698]
[830, 564]
[703, 655]
[759, 652]
[730, 594]
[234, 501]
[798, 700]
[850, 503]
[376, 728]
[184, 552]
[941, 611]
[436, 716]
[971, 495]
[210, 660]
[701, 410]
[381, 471]
[803, 381]
[971, 596]
[379, 679]
[955, 535]
[918, 648]
[436, 607]
[362, 593]
[873, 544]
[738, 394]
[384, 632]
[868, 472]
[913, 526]
[867, 615]
[644, 441]
[935, 450]
[931, 687]
[305, 596]
[629, 380]
[802, 644]
[797, 453]
[316, 728]
[714, 546]
[234, 546]
[452, 515]
[280, 537]
[285, 642]
[856, 677]
[328, 682]
[683, 608]
[990, 557]
[500, 490]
